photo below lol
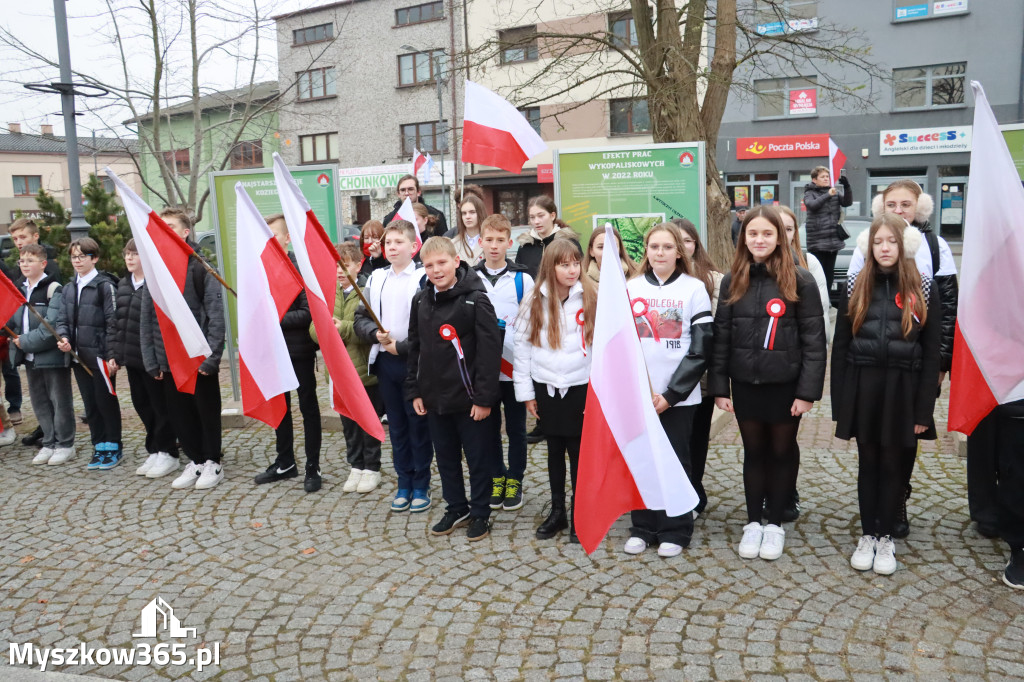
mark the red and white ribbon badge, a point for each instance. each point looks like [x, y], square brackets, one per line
[448, 333]
[642, 310]
[913, 302]
[776, 308]
[583, 331]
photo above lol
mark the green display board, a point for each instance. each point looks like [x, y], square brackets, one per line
[1014, 136]
[632, 187]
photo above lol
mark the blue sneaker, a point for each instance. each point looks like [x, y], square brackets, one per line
[99, 453]
[112, 457]
[401, 501]
[420, 501]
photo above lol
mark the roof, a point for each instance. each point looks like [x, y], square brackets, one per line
[220, 100]
[319, 8]
[53, 144]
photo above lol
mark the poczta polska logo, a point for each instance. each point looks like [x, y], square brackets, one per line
[157, 615]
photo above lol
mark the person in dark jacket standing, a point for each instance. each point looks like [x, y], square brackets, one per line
[545, 225]
[302, 352]
[824, 204]
[885, 367]
[454, 325]
[148, 397]
[741, 212]
[195, 417]
[87, 324]
[770, 345]
[409, 187]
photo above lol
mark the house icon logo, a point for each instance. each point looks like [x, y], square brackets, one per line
[158, 615]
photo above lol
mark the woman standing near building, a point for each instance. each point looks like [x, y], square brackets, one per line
[824, 204]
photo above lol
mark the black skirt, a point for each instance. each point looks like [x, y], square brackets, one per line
[877, 407]
[561, 416]
[769, 403]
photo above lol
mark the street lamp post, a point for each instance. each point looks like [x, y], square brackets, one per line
[440, 108]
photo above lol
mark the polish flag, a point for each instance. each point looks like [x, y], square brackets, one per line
[418, 160]
[495, 133]
[267, 286]
[405, 212]
[164, 257]
[105, 373]
[318, 262]
[626, 459]
[836, 160]
[989, 339]
[11, 298]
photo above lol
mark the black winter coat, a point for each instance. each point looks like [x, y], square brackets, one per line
[948, 290]
[440, 227]
[799, 350]
[531, 250]
[89, 322]
[823, 213]
[295, 325]
[128, 344]
[369, 265]
[434, 372]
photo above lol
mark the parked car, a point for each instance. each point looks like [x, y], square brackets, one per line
[6, 246]
[517, 231]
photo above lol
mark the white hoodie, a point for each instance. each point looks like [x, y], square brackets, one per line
[559, 368]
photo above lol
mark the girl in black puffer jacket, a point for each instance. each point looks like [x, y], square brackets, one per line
[885, 366]
[770, 344]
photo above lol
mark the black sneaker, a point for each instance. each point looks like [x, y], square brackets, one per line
[478, 529]
[497, 492]
[313, 480]
[277, 473]
[1013, 574]
[792, 510]
[449, 522]
[513, 495]
[535, 436]
[987, 530]
[34, 438]
[901, 529]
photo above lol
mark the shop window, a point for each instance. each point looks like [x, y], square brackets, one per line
[781, 97]
[746, 190]
[512, 203]
[929, 87]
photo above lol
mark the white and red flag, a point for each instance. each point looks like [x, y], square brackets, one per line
[495, 133]
[836, 161]
[318, 263]
[164, 257]
[626, 459]
[105, 373]
[405, 212]
[267, 286]
[419, 159]
[989, 340]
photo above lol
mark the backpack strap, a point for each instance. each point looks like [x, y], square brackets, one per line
[50, 289]
[519, 286]
[933, 246]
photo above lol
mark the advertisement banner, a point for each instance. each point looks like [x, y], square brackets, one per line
[912, 11]
[631, 187]
[803, 102]
[782, 147]
[365, 178]
[949, 7]
[925, 140]
[1014, 136]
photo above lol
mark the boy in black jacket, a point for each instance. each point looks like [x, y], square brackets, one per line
[453, 325]
[302, 352]
[87, 325]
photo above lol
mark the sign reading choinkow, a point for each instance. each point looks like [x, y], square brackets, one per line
[365, 178]
[633, 187]
[925, 140]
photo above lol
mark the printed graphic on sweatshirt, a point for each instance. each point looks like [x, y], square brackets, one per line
[665, 324]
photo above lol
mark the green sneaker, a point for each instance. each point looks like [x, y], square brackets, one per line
[498, 493]
[513, 495]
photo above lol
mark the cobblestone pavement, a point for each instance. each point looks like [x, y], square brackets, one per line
[333, 586]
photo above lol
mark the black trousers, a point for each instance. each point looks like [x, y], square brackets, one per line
[983, 472]
[452, 435]
[700, 439]
[150, 403]
[828, 264]
[195, 418]
[1001, 436]
[880, 487]
[102, 409]
[361, 449]
[310, 409]
[654, 526]
[12, 386]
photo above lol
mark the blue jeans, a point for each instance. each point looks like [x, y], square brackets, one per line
[411, 449]
[515, 427]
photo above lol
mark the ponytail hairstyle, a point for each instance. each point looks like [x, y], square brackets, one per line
[909, 279]
[629, 267]
[547, 307]
[701, 264]
[779, 263]
[422, 211]
[548, 204]
[682, 262]
[481, 213]
[795, 244]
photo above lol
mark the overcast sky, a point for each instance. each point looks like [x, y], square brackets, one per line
[95, 52]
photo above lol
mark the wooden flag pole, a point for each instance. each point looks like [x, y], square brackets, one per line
[49, 328]
[366, 304]
[209, 269]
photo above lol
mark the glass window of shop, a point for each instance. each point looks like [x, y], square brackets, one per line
[751, 189]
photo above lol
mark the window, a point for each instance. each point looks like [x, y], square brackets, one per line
[247, 155]
[418, 67]
[417, 14]
[316, 84]
[623, 29]
[27, 185]
[778, 17]
[179, 160]
[778, 97]
[750, 189]
[319, 148]
[630, 116]
[313, 34]
[532, 114]
[427, 137]
[929, 87]
[518, 44]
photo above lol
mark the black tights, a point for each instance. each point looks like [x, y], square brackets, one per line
[557, 448]
[881, 484]
[769, 467]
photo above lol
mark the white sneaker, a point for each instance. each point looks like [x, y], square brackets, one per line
[188, 477]
[669, 549]
[772, 543]
[864, 558]
[212, 474]
[750, 545]
[634, 546]
[352, 481]
[885, 556]
[148, 464]
[8, 436]
[43, 456]
[368, 482]
[61, 455]
[163, 465]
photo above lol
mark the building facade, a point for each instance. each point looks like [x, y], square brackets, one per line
[917, 122]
